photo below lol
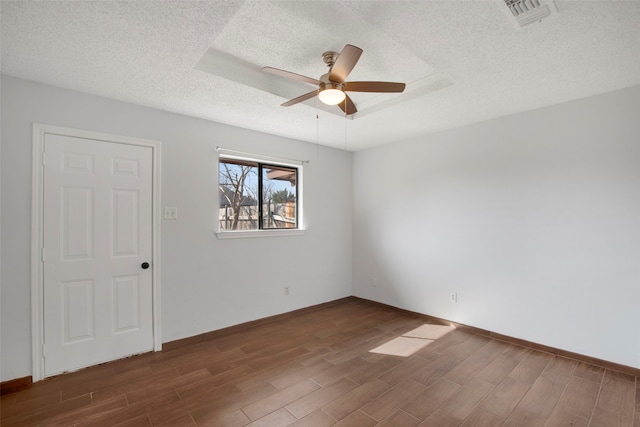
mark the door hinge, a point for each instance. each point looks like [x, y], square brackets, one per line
[42, 254]
[44, 351]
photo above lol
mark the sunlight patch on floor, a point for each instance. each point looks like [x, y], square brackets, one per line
[430, 332]
[412, 341]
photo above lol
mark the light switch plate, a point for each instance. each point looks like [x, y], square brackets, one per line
[170, 212]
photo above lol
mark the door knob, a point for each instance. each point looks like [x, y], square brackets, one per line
[145, 265]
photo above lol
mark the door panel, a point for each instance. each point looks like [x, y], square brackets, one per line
[125, 303]
[77, 310]
[77, 223]
[125, 218]
[97, 231]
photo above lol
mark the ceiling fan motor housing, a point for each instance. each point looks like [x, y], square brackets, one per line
[325, 82]
[331, 85]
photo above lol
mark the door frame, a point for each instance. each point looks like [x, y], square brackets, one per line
[37, 233]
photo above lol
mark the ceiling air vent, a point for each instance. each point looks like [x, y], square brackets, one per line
[525, 12]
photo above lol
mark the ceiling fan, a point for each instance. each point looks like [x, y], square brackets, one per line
[331, 87]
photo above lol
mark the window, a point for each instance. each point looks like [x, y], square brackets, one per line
[257, 196]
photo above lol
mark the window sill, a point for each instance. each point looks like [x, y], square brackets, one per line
[258, 233]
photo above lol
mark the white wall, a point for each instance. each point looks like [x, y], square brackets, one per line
[533, 219]
[207, 283]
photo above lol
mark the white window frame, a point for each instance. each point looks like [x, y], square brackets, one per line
[275, 161]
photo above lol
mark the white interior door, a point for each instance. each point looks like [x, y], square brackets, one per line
[97, 237]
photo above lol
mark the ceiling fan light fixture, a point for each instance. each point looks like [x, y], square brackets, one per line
[331, 93]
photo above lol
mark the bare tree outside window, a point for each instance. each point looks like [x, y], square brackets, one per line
[238, 195]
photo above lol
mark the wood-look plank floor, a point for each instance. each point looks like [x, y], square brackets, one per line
[315, 368]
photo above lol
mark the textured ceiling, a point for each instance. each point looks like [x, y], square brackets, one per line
[463, 61]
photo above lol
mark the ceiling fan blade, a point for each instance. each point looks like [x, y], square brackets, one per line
[300, 98]
[348, 106]
[344, 64]
[290, 75]
[374, 87]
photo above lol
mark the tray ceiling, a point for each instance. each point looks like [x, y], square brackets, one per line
[463, 61]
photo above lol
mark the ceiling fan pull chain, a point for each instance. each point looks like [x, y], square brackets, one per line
[317, 129]
[345, 130]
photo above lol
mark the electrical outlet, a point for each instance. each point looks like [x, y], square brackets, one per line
[286, 290]
[453, 297]
[374, 282]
